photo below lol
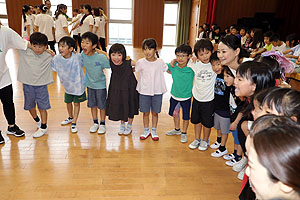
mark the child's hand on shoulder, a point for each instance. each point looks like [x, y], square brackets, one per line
[172, 63]
[52, 53]
[102, 52]
[194, 59]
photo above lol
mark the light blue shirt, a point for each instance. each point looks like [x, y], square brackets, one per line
[70, 73]
[94, 66]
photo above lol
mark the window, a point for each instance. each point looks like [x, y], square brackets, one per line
[120, 21]
[3, 13]
[68, 3]
[170, 24]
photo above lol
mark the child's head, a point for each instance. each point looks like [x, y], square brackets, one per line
[183, 54]
[43, 8]
[203, 50]
[243, 31]
[252, 77]
[117, 53]
[96, 12]
[216, 29]
[258, 102]
[87, 9]
[215, 63]
[234, 30]
[75, 12]
[149, 47]
[267, 36]
[89, 43]
[248, 34]
[272, 63]
[275, 40]
[201, 29]
[283, 101]
[66, 45]
[228, 76]
[39, 42]
[291, 40]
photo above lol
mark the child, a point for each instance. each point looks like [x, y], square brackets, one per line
[151, 86]
[268, 45]
[35, 74]
[278, 45]
[243, 35]
[222, 112]
[68, 66]
[181, 92]
[203, 93]
[95, 79]
[123, 99]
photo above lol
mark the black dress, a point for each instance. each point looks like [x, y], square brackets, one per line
[123, 99]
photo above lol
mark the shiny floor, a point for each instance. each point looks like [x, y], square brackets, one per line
[62, 165]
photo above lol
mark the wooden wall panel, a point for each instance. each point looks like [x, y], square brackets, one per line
[148, 20]
[14, 12]
[203, 11]
[194, 22]
[103, 4]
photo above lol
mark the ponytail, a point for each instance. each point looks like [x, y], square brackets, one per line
[43, 8]
[156, 52]
[25, 9]
[58, 10]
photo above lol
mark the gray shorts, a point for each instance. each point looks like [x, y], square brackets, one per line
[96, 98]
[148, 102]
[222, 123]
[36, 95]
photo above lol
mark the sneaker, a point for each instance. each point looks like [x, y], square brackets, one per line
[39, 123]
[15, 130]
[74, 128]
[195, 144]
[231, 162]
[121, 130]
[66, 121]
[94, 128]
[40, 132]
[215, 145]
[145, 135]
[127, 131]
[173, 132]
[218, 153]
[240, 165]
[102, 129]
[183, 138]
[203, 145]
[229, 156]
[154, 136]
[241, 174]
[1, 139]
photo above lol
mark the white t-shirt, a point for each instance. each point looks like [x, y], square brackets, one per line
[60, 23]
[102, 26]
[85, 27]
[204, 82]
[77, 19]
[97, 24]
[151, 79]
[29, 22]
[8, 39]
[45, 23]
[281, 48]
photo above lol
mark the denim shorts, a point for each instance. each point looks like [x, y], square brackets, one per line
[36, 95]
[96, 98]
[148, 102]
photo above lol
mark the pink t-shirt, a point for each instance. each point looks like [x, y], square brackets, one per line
[151, 79]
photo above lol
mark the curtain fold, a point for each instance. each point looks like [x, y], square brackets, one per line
[183, 22]
[211, 11]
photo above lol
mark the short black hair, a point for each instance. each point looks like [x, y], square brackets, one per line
[184, 48]
[214, 57]
[275, 37]
[69, 41]
[75, 10]
[117, 48]
[38, 38]
[96, 12]
[201, 45]
[268, 34]
[91, 36]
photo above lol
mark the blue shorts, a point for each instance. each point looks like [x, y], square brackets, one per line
[96, 98]
[148, 102]
[185, 105]
[36, 95]
[235, 137]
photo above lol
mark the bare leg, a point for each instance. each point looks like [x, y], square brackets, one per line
[219, 134]
[94, 111]
[33, 113]
[70, 109]
[198, 128]
[43, 116]
[146, 119]
[102, 114]
[224, 139]
[185, 125]
[154, 119]
[177, 122]
[76, 112]
[206, 133]
[130, 120]
[239, 150]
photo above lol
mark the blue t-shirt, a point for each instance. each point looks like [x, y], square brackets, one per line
[94, 66]
[70, 73]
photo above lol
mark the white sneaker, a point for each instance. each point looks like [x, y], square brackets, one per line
[218, 153]
[215, 145]
[240, 165]
[102, 129]
[40, 132]
[229, 156]
[66, 121]
[127, 130]
[203, 146]
[183, 138]
[173, 132]
[39, 123]
[74, 128]
[195, 144]
[121, 130]
[241, 174]
[231, 162]
[94, 128]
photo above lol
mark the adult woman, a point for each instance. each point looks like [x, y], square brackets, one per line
[274, 163]
[45, 24]
[99, 27]
[87, 21]
[61, 22]
[27, 22]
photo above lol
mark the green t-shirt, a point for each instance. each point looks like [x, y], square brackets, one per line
[268, 47]
[182, 81]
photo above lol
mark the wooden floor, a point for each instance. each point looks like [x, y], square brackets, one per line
[62, 165]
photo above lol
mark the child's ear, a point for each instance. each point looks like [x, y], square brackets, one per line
[294, 118]
[94, 46]
[71, 49]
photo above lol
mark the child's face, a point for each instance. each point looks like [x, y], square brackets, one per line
[116, 58]
[216, 66]
[229, 80]
[242, 32]
[65, 50]
[75, 14]
[275, 44]
[243, 86]
[85, 11]
[149, 54]
[267, 110]
[38, 49]
[87, 46]
[233, 31]
[267, 40]
[204, 56]
[258, 111]
[182, 58]
[252, 34]
[248, 35]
